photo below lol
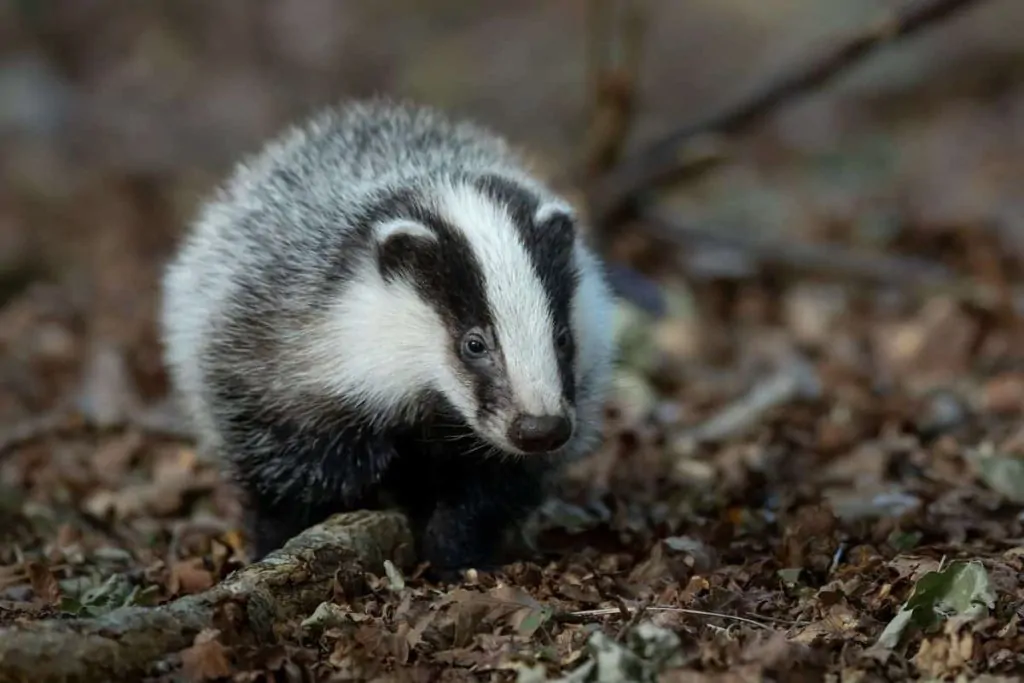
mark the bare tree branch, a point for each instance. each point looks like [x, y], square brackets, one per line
[614, 41]
[824, 260]
[614, 195]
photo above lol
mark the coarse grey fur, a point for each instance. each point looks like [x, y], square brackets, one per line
[249, 301]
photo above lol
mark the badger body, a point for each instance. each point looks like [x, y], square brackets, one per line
[384, 306]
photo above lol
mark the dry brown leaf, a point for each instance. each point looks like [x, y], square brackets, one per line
[398, 643]
[655, 568]
[813, 633]
[947, 653]
[913, 567]
[44, 584]
[207, 659]
[111, 460]
[415, 634]
[932, 347]
[1004, 394]
[189, 576]
[809, 538]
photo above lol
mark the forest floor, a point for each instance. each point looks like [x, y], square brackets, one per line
[815, 508]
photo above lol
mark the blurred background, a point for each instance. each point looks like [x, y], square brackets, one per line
[116, 116]
[842, 286]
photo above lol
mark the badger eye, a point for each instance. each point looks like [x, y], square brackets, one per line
[474, 347]
[562, 340]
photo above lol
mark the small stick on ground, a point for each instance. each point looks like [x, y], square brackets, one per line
[287, 584]
[155, 421]
[794, 381]
[638, 614]
[607, 611]
[613, 197]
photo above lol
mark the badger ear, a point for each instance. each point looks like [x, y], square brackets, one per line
[555, 228]
[555, 216]
[401, 245]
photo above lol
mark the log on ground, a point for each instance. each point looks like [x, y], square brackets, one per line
[288, 583]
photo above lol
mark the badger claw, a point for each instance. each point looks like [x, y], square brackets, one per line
[447, 575]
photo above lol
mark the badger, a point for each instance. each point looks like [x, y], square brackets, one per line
[386, 306]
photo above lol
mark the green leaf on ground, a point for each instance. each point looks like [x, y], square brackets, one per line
[115, 592]
[961, 589]
[790, 575]
[903, 541]
[1004, 475]
[646, 651]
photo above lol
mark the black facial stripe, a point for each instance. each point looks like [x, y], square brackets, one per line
[446, 274]
[550, 248]
[520, 203]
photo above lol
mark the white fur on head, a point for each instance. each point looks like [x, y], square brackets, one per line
[381, 343]
[516, 297]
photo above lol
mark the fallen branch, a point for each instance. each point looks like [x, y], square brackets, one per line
[613, 197]
[287, 584]
[796, 380]
[156, 421]
[831, 261]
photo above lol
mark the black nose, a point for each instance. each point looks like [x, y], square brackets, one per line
[538, 433]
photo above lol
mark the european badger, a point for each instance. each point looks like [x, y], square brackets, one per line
[385, 307]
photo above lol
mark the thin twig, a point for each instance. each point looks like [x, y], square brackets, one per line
[638, 613]
[613, 196]
[65, 421]
[614, 40]
[666, 608]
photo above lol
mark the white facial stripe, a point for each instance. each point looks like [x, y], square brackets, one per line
[515, 294]
[380, 341]
[401, 226]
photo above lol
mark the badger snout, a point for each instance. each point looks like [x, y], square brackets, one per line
[539, 433]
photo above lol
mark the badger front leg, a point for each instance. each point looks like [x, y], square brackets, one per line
[294, 477]
[479, 502]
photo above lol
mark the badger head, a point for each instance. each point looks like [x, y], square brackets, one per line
[474, 290]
